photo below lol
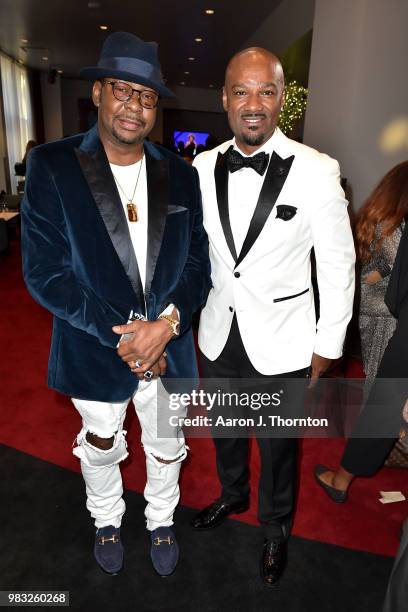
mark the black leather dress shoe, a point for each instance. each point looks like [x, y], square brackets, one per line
[214, 514]
[273, 562]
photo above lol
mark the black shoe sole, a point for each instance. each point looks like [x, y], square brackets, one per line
[239, 510]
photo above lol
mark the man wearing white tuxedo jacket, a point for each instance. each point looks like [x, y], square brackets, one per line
[267, 201]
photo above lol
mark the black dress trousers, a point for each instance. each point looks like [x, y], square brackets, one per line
[277, 484]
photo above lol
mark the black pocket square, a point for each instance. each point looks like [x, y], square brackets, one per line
[285, 212]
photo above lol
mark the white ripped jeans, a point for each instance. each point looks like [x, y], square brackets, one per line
[100, 468]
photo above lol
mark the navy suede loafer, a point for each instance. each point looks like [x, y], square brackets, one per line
[108, 549]
[164, 551]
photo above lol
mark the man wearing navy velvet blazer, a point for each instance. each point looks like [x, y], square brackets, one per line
[112, 230]
[267, 200]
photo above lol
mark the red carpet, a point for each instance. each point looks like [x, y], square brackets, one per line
[42, 423]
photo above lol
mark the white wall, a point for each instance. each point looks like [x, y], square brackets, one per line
[358, 88]
[52, 107]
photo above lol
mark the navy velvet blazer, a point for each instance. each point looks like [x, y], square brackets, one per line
[79, 263]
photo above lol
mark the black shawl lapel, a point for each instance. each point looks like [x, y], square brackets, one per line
[221, 183]
[95, 167]
[157, 171]
[275, 178]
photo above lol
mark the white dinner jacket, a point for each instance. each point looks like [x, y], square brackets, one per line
[268, 284]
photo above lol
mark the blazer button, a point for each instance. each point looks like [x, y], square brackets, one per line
[231, 309]
[237, 274]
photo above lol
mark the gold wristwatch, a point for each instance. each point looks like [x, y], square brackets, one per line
[174, 324]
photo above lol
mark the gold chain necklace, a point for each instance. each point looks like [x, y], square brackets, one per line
[131, 205]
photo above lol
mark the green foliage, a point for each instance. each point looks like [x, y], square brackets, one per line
[294, 107]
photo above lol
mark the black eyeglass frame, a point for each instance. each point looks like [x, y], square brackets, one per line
[138, 91]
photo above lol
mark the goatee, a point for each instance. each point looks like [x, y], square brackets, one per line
[131, 140]
[253, 140]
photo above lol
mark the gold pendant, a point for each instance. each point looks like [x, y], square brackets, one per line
[132, 212]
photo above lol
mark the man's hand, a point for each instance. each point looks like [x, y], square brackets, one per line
[159, 368]
[319, 365]
[146, 345]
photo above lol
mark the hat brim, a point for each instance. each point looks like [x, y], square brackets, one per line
[93, 73]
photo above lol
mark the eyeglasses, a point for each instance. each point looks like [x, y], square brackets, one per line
[124, 92]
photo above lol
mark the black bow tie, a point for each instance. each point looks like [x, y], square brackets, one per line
[236, 161]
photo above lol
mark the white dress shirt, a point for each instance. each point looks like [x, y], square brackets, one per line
[244, 187]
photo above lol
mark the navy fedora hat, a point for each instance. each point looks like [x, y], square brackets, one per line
[125, 56]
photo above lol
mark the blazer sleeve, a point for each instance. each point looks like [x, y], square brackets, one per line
[192, 290]
[47, 259]
[335, 261]
[397, 290]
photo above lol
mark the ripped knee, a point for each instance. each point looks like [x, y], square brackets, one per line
[167, 461]
[157, 459]
[96, 452]
[101, 443]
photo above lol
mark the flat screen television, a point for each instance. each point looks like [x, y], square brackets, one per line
[200, 138]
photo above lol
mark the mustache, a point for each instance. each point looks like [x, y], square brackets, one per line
[253, 115]
[134, 118]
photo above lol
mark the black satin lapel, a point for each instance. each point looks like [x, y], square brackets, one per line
[157, 171]
[95, 167]
[275, 178]
[221, 183]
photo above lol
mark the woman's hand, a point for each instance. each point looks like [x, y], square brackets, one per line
[372, 278]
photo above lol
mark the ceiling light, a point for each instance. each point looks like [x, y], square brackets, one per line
[198, 39]
[182, 82]
[209, 11]
[44, 58]
[103, 27]
[186, 72]
[24, 40]
[60, 71]
[191, 59]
